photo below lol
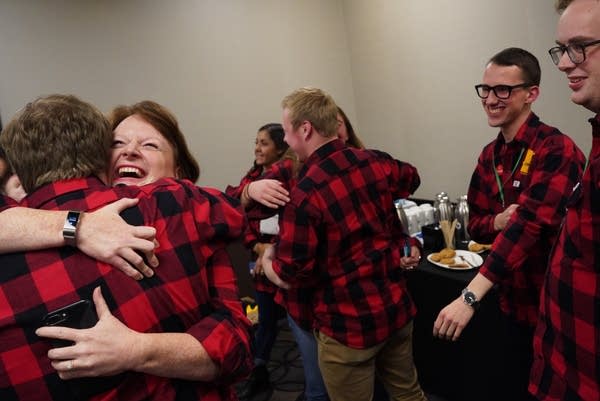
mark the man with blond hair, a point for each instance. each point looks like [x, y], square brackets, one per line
[340, 234]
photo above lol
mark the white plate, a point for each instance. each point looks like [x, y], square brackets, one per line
[472, 243]
[472, 257]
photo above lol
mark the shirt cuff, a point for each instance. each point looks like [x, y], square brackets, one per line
[226, 344]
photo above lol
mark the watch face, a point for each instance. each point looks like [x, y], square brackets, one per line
[470, 298]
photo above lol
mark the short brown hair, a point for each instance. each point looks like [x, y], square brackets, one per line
[315, 106]
[165, 122]
[527, 63]
[561, 5]
[57, 137]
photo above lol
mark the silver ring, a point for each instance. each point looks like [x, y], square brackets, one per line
[70, 365]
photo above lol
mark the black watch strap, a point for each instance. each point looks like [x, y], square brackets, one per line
[469, 298]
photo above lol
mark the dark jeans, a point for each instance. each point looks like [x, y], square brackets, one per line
[266, 333]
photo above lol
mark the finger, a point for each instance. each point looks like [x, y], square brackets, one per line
[147, 248]
[101, 307]
[442, 328]
[276, 200]
[123, 265]
[122, 204]
[57, 332]
[269, 204]
[63, 365]
[281, 189]
[152, 260]
[135, 260]
[450, 332]
[145, 232]
[457, 333]
[436, 326]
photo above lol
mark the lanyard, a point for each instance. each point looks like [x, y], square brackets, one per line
[498, 180]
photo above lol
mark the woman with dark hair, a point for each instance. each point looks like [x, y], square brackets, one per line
[268, 149]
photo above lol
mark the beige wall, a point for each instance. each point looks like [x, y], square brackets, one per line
[403, 70]
[414, 66]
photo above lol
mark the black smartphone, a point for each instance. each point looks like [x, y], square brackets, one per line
[78, 315]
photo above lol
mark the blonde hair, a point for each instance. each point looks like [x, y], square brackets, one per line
[313, 105]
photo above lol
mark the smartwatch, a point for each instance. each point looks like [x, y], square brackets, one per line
[70, 227]
[469, 298]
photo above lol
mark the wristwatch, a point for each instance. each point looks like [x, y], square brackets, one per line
[70, 227]
[469, 298]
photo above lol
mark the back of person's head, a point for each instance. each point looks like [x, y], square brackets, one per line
[561, 5]
[164, 122]
[313, 105]
[5, 170]
[57, 137]
[353, 139]
[527, 63]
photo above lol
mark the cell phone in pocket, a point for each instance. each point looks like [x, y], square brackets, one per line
[78, 315]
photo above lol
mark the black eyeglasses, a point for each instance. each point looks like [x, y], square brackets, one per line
[501, 91]
[576, 51]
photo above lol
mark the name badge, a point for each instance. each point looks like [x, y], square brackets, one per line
[516, 184]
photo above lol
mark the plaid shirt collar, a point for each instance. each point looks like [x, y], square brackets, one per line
[48, 192]
[525, 135]
[320, 154]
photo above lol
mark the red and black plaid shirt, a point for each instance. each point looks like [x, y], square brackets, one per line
[547, 164]
[297, 301]
[341, 225]
[567, 339]
[193, 290]
[253, 234]
[251, 176]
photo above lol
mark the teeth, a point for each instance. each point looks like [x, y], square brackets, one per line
[130, 172]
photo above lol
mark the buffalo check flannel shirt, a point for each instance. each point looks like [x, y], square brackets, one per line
[341, 225]
[297, 301]
[193, 290]
[549, 166]
[252, 234]
[566, 344]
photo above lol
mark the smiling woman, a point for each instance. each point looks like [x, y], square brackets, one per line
[148, 145]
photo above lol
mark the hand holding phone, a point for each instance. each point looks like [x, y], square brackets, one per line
[78, 315]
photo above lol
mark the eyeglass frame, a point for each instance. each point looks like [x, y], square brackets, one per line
[569, 49]
[493, 89]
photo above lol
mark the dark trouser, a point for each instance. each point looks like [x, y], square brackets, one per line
[519, 356]
[266, 333]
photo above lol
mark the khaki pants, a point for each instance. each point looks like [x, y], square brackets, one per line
[349, 373]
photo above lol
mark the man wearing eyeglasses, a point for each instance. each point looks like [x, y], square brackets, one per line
[567, 338]
[517, 198]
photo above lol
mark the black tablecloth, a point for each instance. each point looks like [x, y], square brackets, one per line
[477, 366]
